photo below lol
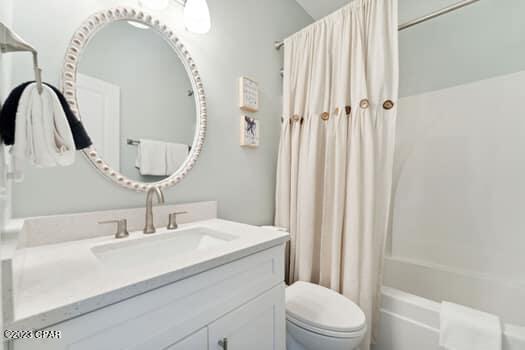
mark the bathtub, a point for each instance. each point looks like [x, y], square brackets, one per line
[411, 322]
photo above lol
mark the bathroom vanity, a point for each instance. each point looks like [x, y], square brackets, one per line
[211, 284]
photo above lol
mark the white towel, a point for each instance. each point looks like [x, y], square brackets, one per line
[176, 154]
[463, 328]
[151, 158]
[42, 133]
[3, 171]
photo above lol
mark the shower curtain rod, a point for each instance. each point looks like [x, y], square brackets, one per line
[443, 11]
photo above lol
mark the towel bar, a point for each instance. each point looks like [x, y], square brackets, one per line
[132, 142]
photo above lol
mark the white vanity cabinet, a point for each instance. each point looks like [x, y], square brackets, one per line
[196, 341]
[257, 325]
[235, 306]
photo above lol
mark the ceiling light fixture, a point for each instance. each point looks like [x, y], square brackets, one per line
[197, 16]
[196, 13]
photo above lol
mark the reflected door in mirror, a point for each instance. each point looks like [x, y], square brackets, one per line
[100, 103]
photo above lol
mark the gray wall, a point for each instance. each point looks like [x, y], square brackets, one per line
[480, 41]
[240, 43]
[154, 101]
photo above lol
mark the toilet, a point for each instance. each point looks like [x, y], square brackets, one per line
[318, 318]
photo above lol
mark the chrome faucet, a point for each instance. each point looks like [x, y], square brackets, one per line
[149, 227]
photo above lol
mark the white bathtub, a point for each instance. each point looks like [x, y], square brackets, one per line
[410, 322]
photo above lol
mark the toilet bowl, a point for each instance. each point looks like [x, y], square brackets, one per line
[318, 318]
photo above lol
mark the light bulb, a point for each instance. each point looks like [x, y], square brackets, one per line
[197, 16]
[138, 25]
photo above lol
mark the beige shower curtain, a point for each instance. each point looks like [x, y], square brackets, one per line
[336, 150]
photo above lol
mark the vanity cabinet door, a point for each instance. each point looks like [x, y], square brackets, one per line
[258, 325]
[196, 341]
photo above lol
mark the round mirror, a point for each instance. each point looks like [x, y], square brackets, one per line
[138, 93]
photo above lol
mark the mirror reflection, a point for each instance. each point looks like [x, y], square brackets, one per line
[136, 101]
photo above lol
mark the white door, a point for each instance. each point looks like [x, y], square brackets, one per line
[99, 105]
[257, 325]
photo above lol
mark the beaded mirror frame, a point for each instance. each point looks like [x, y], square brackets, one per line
[80, 41]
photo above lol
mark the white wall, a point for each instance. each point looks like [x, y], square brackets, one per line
[460, 168]
[240, 43]
[6, 15]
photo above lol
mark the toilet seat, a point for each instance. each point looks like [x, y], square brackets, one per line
[327, 333]
[323, 311]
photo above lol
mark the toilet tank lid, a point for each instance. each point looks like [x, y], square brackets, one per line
[323, 308]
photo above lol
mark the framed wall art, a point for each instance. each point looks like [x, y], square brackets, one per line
[250, 130]
[249, 94]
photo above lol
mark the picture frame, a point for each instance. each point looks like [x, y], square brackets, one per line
[250, 132]
[248, 94]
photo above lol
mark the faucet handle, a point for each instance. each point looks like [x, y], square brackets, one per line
[122, 227]
[172, 225]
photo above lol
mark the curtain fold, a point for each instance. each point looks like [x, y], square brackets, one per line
[334, 170]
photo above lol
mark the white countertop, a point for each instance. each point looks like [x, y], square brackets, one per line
[60, 281]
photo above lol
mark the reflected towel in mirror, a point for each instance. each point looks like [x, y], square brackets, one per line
[176, 155]
[151, 158]
[157, 158]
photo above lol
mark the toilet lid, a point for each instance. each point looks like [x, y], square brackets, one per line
[323, 308]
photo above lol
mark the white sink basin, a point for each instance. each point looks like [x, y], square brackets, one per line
[159, 246]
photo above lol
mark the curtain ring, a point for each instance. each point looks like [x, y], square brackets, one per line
[364, 103]
[337, 110]
[388, 105]
[348, 110]
[325, 116]
[296, 118]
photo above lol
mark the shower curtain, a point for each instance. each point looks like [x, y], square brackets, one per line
[336, 149]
